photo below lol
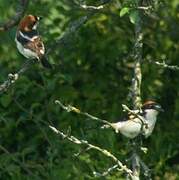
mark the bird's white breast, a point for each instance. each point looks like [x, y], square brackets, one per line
[151, 117]
[129, 128]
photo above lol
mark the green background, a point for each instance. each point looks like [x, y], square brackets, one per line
[93, 72]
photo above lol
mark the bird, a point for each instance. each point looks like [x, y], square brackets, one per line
[143, 123]
[28, 41]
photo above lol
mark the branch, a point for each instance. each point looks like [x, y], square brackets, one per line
[66, 36]
[147, 171]
[136, 81]
[91, 146]
[164, 65]
[136, 84]
[89, 7]
[70, 108]
[107, 172]
[74, 27]
[135, 165]
[12, 78]
[22, 6]
[106, 123]
[144, 7]
[133, 112]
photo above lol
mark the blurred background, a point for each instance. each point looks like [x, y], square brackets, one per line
[92, 71]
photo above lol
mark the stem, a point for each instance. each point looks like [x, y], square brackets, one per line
[136, 86]
[136, 82]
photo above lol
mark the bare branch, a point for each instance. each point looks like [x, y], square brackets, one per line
[136, 84]
[91, 146]
[106, 123]
[164, 65]
[70, 108]
[74, 27]
[12, 78]
[136, 81]
[135, 166]
[135, 113]
[91, 7]
[107, 172]
[22, 6]
[144, 7]
[147, 171]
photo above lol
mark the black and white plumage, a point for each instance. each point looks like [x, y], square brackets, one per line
[132, 126]
[28, 41]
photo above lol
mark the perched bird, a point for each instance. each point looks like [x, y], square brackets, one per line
[28, 41]
[132, 125]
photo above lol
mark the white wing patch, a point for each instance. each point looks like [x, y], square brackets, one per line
[24, 36]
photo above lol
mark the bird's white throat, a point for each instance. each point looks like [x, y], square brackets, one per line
[151, 117]
[151, 114]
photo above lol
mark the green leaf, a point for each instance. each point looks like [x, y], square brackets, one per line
[124, 11]
[134, 16]
[5, 100]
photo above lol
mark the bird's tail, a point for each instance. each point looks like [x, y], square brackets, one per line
[45, 63]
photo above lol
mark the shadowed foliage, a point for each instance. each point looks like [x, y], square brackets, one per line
[92, 70]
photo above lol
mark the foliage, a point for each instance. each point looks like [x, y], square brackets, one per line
[93, 71]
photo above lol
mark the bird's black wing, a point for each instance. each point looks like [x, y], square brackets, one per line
[31, 33]
[21, 39]
[24, 36]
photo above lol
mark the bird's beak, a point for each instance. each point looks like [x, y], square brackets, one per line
[159, 108]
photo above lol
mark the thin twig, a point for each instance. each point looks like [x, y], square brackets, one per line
[103, 151]
[106, 172]
[82, 151]
[135, 113]
[144, 7]
[70, 108]
[91, 7]
[22, 6]
[12, 78]
[74, 27]
[164, 65]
